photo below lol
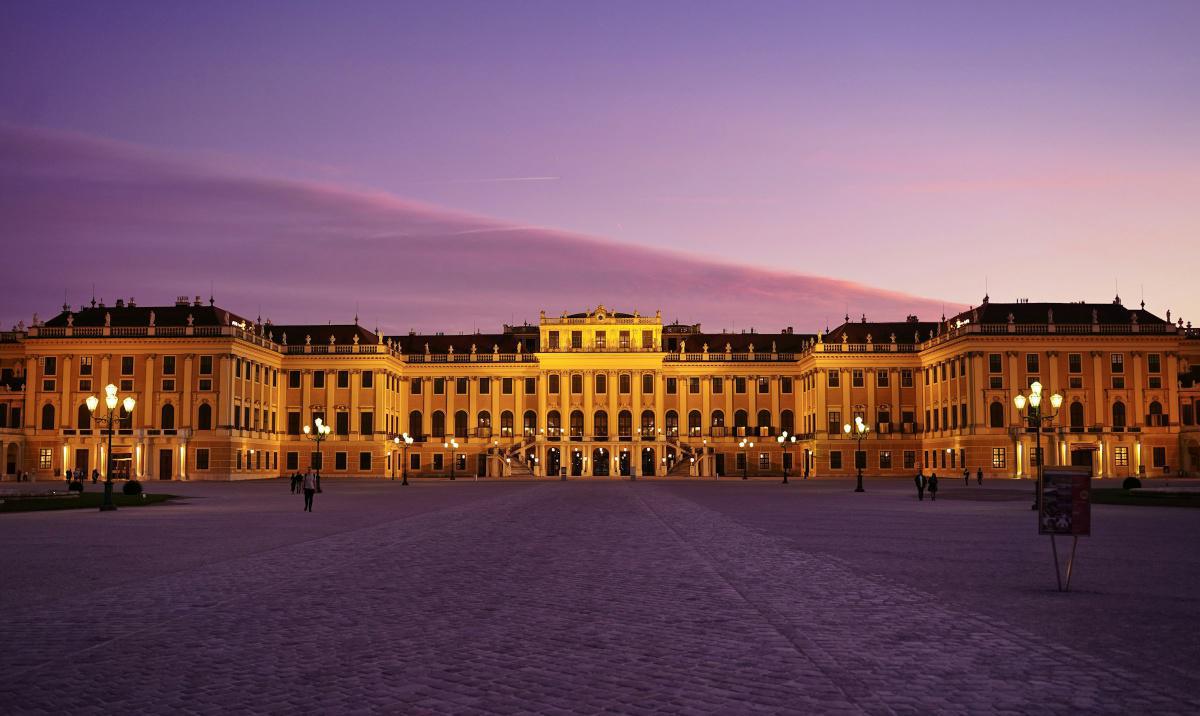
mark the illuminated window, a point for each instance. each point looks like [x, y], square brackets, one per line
[1121, 456]
[45, 458]
[999, 458]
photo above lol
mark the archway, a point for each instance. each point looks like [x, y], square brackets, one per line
[600, 458]
[648, 464]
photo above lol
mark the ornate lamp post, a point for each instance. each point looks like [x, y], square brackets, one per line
[404, 441]
[858, 432]
[318, 433]
[745, 445]
[452, 446]
[784, 441]
[1034, 416]
[110, 401]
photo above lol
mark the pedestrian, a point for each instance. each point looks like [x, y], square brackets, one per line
[966, 476]
[979, 476]
[933, 486]
[296, 479]
[95, 475]
[920, 480]
[312, 484]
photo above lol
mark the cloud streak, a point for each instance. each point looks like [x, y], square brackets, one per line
[155, 225]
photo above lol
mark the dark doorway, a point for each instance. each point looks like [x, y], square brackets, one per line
[623, 464]
[600, 462]
[648, 462]
[1082, 458]
[720, 460]
[164, 464]
[81, 460]
[552, 462]
[576, 463]
[481, 465]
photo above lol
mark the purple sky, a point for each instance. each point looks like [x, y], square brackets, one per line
[917, 149]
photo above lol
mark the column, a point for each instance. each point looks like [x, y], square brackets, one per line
[355, 384]
[185, 412]
[31, 377]
[66, 409]
[225, 397]
[147, 400]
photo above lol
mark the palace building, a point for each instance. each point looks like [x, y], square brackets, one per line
[600, 393]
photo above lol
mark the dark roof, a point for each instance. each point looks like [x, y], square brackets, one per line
[1066, 313]
[439, 344]
[905, 332]
[343, 333]
[1190, 378]
[139, 316]
[610, 314]
[740, 342]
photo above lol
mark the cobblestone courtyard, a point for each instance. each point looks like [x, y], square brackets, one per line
[719, 597]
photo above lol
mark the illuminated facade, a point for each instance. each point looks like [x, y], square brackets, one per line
[600, 394]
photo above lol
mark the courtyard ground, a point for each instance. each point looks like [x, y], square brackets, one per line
[654, 596]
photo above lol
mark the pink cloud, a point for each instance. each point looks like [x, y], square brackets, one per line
[78, 210]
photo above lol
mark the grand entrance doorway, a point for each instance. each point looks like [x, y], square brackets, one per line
[600, 460]
[623, 463]
[720, 463]
[553, 463]
[165, 463]
[81, 461]
[576, 463]
[1083, 457]
[648, 462]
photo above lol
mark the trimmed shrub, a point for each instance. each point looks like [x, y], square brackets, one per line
[1130, 483]
[132, 487]
[75, 486]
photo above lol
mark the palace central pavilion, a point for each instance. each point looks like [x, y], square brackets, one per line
[599, 393]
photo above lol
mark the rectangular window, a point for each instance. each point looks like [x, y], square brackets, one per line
[1156, 381]
[835, 460]
[49, 365]
[601, 340]
[341, 423]
[1118, 382]
[293, 379]
[740, 461]
[1121, 456]
[414, 386]
[577, 384]
[672, 386]
[368, 379]
[291, 461]
[601, 386]
[856, 378]
[999, 458]
[238, 453]
[764, 461]
[460, 386]
[1118, 362]
[168, 365]
[126, 365]
[910, 459]
[718, 385]
[85, 385]
[1159, 457]
[506, 386]
[648, 384]
[995, 363]
[1154, 363]
[530, 386]
[953, 369]
[647, 339]
[339, 461]
[694, 386]
[48, 385]
[414, 461]
[552, 384]
[85, 365]
[943, 372]
[45, 458]
[885, 459]
[1075, 382]
[881, 378]
[906, 378]
[439, 461]
[439, 386]
[315, 460]
[485, 386]
[996, 382]
[577, 339]
[237, 367]
[202, 459]
[552, 336]
[1074, 362]
[739, 385]
[1032, 363]
[764, 385]
[206, 365]
[364, 462]
[833, 379]
[318, 379]
[343, 379]
[785, 385]
[293, 423]
[623, 340]
[835, 422]
[168, 385]
[366, 423]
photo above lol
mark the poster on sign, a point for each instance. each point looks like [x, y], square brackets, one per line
[1066, 501]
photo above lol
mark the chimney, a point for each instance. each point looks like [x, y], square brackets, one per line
[181, 301]
[120, 303]
[197, 303]
[131, 303]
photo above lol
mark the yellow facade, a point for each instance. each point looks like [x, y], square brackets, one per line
[599, 393]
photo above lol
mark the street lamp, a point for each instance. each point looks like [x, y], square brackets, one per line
[452, 446]
[110, 401]
[784, 441]
[745, 445]
[858, 432]
[405, 441]
[1034, 417]
[318, 434]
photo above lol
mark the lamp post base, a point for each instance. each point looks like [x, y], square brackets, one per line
[107, 505]
[858, 487]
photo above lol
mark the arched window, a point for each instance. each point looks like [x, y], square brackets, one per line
[601, 424]
[740, 419]
[553, 423]
[204, 417]
[647, 423]
[625, 424]
[787, 421]
[415, 427]
[83, 416]
[995, 415]
[529, 424]
[167, 417]
[1077, 414]
[718, 418]
[460, 423]
[1156, 414]
[484, 422]
[694, 427]
[438, 424]
[1155, 408]
[672, 423]
[764, 421]
[506, 424]
[1118, 414]
[47, 417]
[576, 424]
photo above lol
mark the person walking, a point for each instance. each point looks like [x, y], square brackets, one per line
[979, 476]
[95, 476]
[296, 479]
[933, 486]
[311, 484]
[966, 476]
[920, 480]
